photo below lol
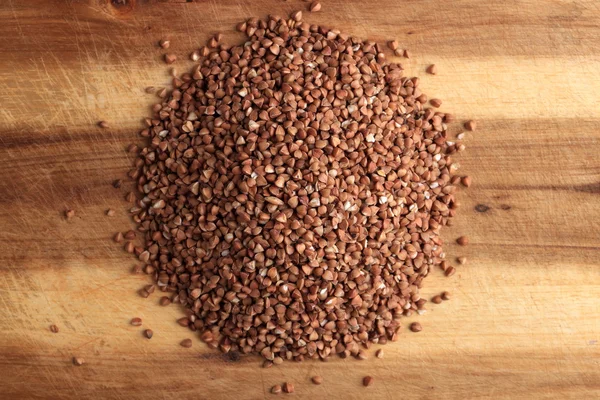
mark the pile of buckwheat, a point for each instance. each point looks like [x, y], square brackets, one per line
[293, 189]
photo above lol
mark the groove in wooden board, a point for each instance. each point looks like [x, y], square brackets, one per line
[472, 26]
[520, 90]
[518, 78]
[409, 376]
[557, 154]
[530, 223]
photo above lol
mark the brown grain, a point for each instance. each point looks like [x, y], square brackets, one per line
[462, 240]
[118, 238]
[132, 148]
[130, 197]
[164, 43]
[470, 125]
[432, 69]
[78, 361]
[241, 27]
[462, 260]
[276, 389]
[379, 353]
[110, 212]
[317, 379]
[450, 271]
[288, 387]
[206, 337]
[187, 343]
[162, 92]
[277, 361]
[170, 58]
[446, 295]
[435, 102]
[212, 42]
[416, 327]
[368, 381]
[315, 6]
[69, 214]
[436, 299]
[136, 321]
[129, 247]
[164, 301]
[117, 183]
[103, 124]
[392, 44]
[466, 181]
[148, 333]
[53, 328]
[444, 265]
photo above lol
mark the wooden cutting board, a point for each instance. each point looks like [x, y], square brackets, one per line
[524, 320]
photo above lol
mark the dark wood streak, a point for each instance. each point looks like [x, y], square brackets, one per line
[233, 356]
[590, 188]
[540, 246]
[123, 6]
[481, 208]
[525, 27]
[25, 139]
[593, 188]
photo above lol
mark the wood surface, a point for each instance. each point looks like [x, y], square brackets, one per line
[524, 320]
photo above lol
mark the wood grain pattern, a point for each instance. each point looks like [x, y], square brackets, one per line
[525, 318]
